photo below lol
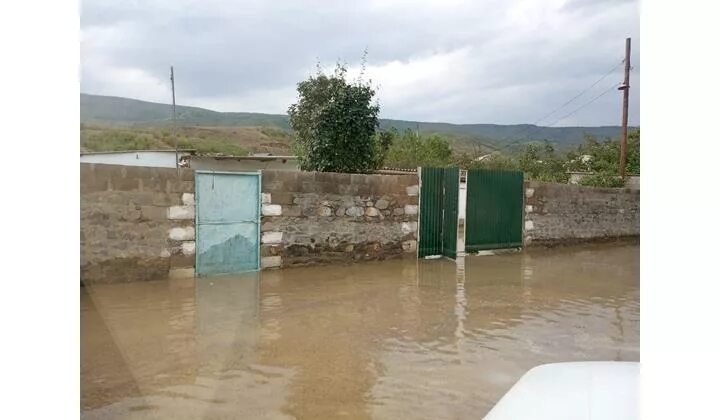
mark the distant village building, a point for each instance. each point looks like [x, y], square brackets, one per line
[150, 158]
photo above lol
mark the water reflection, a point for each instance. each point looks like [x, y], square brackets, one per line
[417, 339]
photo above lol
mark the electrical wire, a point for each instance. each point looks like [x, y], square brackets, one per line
[561, 118]
[534, 126]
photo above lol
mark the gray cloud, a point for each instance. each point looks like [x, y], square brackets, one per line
[455, 61]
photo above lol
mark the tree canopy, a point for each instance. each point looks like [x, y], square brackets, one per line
[334, 122]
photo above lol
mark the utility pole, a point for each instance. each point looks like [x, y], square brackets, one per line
[172, 84]
[626, 96]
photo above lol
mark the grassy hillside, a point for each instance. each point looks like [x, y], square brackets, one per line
[112, 123]
[225, 140]
[123, 111]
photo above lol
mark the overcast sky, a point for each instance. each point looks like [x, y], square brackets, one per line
[482, 61]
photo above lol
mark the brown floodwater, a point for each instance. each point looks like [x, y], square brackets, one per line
[393, 339]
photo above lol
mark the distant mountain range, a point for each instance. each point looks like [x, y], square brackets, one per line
[114, 110]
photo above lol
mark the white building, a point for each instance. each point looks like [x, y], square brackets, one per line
[151, 158]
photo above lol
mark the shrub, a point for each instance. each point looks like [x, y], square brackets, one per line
[603, 180]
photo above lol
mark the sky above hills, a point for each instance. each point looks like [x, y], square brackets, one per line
[490, 61]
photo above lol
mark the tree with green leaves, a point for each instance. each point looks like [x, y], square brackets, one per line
[410, 150]
[604, 156]
[334, 122]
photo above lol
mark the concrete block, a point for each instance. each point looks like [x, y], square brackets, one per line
[529, 192]
[177, 186]
[119, 183]
[372, 212]
[270, 262]
[529, 225]
[528, 209]
[271, 210]
[412, 190]
[409, 246]
[188, 248]
[411, 209]
[266, 198]
[188, 199]
[153, 212]
[182, 261]
[181, 212]
[181, 273]
[282, 198]
[271, 237]
[291, 211]
[408, 227]
[182, 233]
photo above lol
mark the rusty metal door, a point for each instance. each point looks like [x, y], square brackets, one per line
[227, 222]
[494, 209]
[438, 212]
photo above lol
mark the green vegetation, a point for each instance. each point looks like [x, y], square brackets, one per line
[603, 180]
[238, 141]
[334, 123]
[606, 155]
[539, 161]
[410, 150]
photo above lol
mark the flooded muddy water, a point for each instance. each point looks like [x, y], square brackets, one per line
[392, 339]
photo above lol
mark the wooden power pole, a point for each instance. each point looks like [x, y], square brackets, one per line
[172, 84]
[626, 96]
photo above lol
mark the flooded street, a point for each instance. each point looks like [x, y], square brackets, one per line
[384, 340]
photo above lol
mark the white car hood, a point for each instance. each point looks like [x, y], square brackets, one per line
[573, 391]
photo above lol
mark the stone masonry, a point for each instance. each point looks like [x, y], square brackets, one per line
[561, 213]
[136, 223]
[317, 218]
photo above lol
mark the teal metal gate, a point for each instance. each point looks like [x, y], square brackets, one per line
[227, 222]
[438, 211]
[494, 211]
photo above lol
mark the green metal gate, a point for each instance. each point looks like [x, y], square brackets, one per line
[494, 209]
[438, 211]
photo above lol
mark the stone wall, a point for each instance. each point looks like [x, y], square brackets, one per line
[317, 218]
[560, 213]
[136, 223]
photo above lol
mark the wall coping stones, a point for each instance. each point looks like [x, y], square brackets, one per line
[188, 199]
[181, 212]
[411, 209]
[182, 233]
[271, 210]
[270, 262]
[272, 237]
[188, 248]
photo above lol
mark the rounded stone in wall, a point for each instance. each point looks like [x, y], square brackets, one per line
[372, 212]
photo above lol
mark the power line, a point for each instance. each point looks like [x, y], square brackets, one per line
[563, 117]
[527, 130]
[586, 103]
